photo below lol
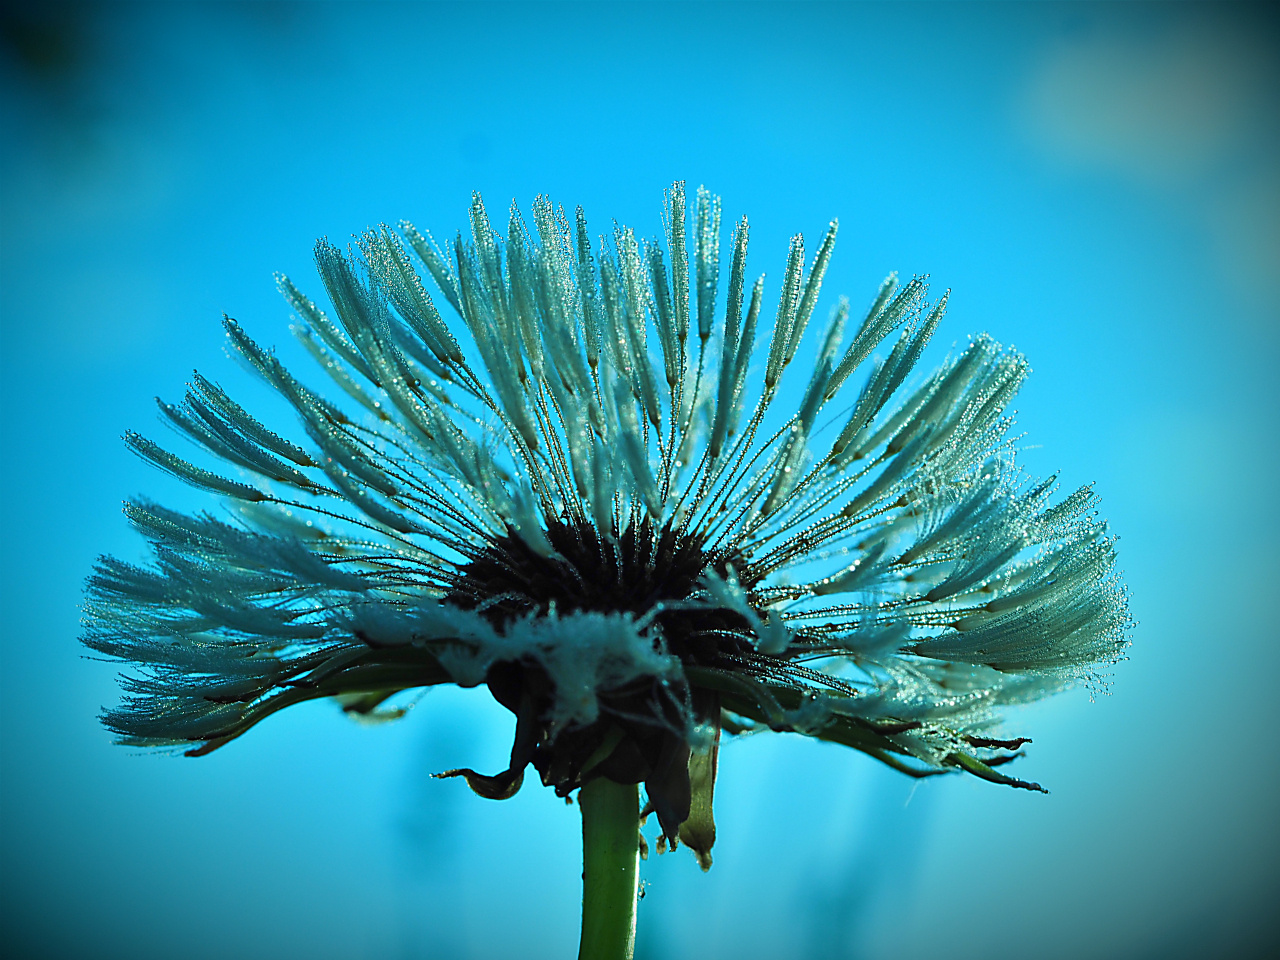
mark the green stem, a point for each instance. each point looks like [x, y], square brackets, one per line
[610, 869]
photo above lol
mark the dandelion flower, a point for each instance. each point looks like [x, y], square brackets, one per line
[613, 521]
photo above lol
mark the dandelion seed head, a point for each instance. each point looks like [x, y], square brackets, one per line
[611, 523]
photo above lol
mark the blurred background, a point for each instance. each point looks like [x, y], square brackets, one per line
[1098, 184]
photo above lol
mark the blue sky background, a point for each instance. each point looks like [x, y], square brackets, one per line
[1099, 185]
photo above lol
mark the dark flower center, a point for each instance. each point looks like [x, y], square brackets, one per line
[639, 735]
[643, 570]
